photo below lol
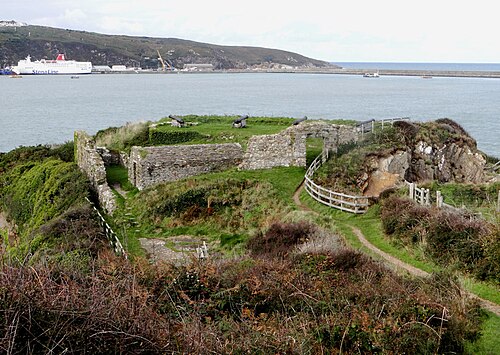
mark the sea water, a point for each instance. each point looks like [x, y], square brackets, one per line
[48, 109]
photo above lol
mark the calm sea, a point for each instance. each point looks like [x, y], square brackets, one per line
[47, 109]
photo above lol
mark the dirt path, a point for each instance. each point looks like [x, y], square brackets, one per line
[296, 198]
[3, 222]
[391, 259]
[490, 306]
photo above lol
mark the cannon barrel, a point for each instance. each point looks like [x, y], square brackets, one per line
[241, 118]
[178, 119]
[297, 121]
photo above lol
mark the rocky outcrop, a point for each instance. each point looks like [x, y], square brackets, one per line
[450, 162]
[440, 151]
[424, 162]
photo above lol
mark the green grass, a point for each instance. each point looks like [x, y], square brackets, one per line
[218, 129]
[272, 196]
[117, 174]
[489, 342]
[371, 227]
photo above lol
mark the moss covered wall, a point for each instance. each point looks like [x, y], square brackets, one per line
[91, 163]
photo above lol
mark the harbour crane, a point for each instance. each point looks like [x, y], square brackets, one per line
[161, 60]
[164, 65]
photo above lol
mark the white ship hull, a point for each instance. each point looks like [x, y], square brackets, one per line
[50, 67]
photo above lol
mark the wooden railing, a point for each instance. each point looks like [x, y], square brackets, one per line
[370, 125]
[344, 202]
[423, 197]
[110, 234]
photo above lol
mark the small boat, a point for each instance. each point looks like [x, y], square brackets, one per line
[371, 75]
[15, 76]
[426, 77]
[75, 77]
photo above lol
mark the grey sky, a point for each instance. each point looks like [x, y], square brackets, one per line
[350, 30]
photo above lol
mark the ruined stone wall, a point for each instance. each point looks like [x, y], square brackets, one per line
[113, 157]
[272, 150]
[288, 148]
[152, 165]
[91, 163]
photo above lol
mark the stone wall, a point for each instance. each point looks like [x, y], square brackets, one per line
[152, 165]
[91, 163]
[288, 148]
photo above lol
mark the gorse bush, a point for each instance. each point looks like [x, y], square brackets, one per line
[449, 237]
[21, 155]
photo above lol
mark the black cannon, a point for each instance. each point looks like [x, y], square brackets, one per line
[240, 122]
[297, 121]
[177, 121]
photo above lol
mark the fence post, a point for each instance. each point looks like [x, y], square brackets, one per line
[428, 197]
[412, 190]
[373, 126]
[439, 199]
[422, 193]
[498, 202]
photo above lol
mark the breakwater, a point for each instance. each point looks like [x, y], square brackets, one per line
[382, 72]
[421, 73]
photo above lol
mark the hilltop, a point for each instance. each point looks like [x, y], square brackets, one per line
[16, 42]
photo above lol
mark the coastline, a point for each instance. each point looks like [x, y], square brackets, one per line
[338, 71]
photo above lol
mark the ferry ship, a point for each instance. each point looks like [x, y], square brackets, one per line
[58, 66]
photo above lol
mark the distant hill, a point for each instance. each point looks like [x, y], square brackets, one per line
[16, 42]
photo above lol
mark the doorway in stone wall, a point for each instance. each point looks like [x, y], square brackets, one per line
[314, 147]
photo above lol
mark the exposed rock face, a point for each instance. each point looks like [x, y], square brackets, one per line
[449, 154]
[450, 162]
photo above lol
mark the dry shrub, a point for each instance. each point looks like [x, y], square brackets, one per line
[280, 239]
[449, 237]
[331, 302]
[42, 312]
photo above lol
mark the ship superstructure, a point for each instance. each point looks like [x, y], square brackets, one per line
[58, 66]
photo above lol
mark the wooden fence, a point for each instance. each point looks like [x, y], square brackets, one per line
[370, 125]
[344, 202]
[423, 196]
[110, 234]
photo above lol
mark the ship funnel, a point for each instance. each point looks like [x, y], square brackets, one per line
[60, 56]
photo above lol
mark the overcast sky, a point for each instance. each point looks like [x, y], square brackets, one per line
[337, 31]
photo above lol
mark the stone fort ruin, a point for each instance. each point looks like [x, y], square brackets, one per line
[148, 166]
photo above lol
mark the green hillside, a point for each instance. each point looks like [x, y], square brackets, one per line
[45, 42]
